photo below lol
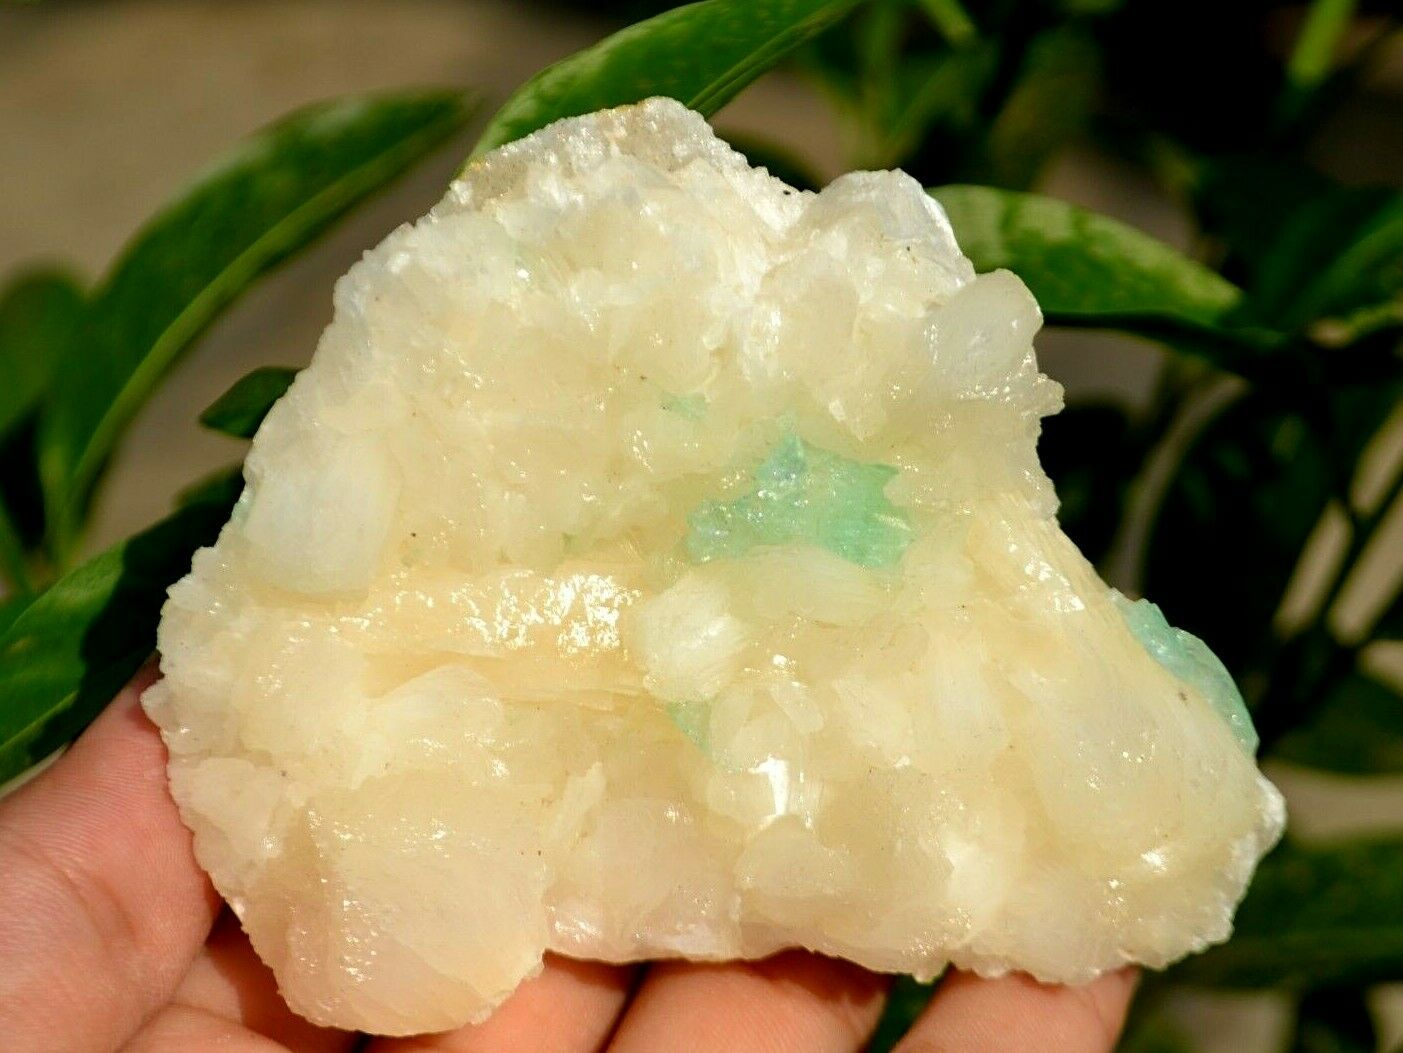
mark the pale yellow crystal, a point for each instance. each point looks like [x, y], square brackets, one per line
[521, 637]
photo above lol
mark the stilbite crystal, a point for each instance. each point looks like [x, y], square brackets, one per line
[655, 560]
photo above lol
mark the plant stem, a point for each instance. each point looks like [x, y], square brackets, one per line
[1309, 664]
[879, 41]
[1363, 528]
[1314, 54]
[952, 20]
[1188, 398]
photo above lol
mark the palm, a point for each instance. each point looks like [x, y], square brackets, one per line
[111, 938]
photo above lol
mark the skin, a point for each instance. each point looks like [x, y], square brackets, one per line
[112, 938]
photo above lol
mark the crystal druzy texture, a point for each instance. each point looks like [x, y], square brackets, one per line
[655, 561]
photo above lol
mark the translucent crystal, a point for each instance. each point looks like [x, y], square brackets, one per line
[806, 494]
[1189, 659]
[654, 561]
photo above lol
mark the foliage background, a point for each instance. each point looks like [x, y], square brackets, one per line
[1200, 460]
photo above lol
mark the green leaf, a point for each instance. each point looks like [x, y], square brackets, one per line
[878, 31]
[1049, 105]
[1313, 56]
[286, 185]
[1245, 199]
[1357, 729]
[895, 98]
[1084, 268]
[905, 1001]
[951, 19]
[38, 311]
[943, 91]
[1307, 248]
[702, 54]
[1319, 916]
[19, 485]
[69, 652]
[14, 562]
[11, 608]
[1339, 254]
[1334, 1020]
[241, 409]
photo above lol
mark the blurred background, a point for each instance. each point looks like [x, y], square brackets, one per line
[108, 109]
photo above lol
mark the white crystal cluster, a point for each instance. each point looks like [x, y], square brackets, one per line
[655, 561]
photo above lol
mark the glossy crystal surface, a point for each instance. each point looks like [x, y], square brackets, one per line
[1189, 659]
[805, 495]
[655, 561]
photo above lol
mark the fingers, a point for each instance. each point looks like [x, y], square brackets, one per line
[1015, 1014]
[571, 1007]
[229, 982]
[792, 1003]
[104, 905]
[179, 1029]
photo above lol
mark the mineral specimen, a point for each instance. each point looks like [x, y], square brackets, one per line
[654, 560]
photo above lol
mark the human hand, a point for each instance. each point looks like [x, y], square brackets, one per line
[111, 938]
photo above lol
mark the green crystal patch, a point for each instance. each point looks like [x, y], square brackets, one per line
[688, 407]
[803, 493]
[693, 719]
[1189, 658]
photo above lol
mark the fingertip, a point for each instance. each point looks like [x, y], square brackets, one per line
[793, 1002]
[1017, 1014]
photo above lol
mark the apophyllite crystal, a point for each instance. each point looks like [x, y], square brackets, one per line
[655, 561]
